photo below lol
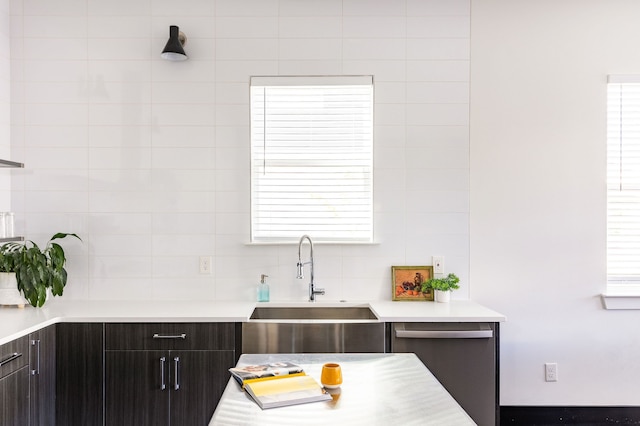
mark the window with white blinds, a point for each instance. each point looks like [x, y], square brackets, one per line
[623, 182]
[312, 158]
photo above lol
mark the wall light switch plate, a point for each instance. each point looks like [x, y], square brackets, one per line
[438, 264]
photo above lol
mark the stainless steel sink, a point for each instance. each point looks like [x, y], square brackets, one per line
[313, 329]
[313, 313]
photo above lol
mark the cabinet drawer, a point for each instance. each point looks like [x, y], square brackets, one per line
[170, 336]
[14, 355]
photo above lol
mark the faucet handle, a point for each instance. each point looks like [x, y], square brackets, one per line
[300, 271]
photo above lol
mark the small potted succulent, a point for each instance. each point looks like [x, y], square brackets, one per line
[38, 271]
[442, 287]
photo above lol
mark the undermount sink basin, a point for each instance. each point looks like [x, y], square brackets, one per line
[313, 313]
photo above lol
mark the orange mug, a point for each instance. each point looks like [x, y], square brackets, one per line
[331, 375]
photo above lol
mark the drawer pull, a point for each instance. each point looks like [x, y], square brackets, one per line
[162, 385]
[444, 334]
[36, 343]
[176, 369]
[10, 358]
[170, 336]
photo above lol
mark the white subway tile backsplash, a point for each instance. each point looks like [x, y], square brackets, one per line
[145, 157]
[107, 49]
[436, 70]
[57, 8]
[120, 180]
[310, 27]
[437, 114]
[437, 92]
[120, 202]
[188, 158]
[120, 157]
[183, 201]
[246, 27]
[233, 8]
[120, 27]
[119, 136]
[310, 8]
[55, 26]
[55, 70]
[310, 49]
[375, 49]
[438, 7]
[183, 115]
[184, 136]
[118, 7]
[437, 48]
[373, 8]
[120, 224]
[75, 49]
[183, 224]
[55, 114]
[439, 26]
[240, 49]
[311, 67]
[375, 27]
[183, 8]
[120, 115]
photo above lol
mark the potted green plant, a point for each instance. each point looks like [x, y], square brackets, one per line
[442, 287]
[9, 293]
[37, 270]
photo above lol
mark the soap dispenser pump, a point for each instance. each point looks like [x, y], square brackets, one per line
[263, 289]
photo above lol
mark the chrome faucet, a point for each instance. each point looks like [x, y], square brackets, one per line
[312, 290]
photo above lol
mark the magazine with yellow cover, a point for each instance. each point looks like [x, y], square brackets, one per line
[279, 391]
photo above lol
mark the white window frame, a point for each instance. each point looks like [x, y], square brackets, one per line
[320, 180]
[623, 192]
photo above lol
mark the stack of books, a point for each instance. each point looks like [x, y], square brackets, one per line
[279, 384]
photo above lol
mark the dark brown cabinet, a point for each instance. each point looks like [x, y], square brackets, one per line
[42, 379]
[166, 373]
[14, 383]
[79, 373]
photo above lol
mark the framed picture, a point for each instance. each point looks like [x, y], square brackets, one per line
[407, 282]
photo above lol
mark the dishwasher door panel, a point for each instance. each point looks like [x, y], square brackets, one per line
[462, 356]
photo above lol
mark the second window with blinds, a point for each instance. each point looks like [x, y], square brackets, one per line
[312, 158]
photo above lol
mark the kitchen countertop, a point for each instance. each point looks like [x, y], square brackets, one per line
[16, 322]
[377, 389]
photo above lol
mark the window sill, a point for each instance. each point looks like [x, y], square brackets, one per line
[621, 301]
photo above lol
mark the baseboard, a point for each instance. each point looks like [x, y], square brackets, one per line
[584, 416]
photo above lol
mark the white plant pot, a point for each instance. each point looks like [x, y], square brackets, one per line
[9, 293]
[442, 296]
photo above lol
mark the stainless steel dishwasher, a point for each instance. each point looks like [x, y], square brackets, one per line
[462, 356]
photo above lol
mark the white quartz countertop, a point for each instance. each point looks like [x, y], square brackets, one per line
[17, 322]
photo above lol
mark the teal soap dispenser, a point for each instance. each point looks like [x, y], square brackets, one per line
[263, 289]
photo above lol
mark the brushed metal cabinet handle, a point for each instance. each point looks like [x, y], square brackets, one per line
[36, 343]
[162, 384]
[170, 336]
[444, 334]
[176, 371]
[10, 358]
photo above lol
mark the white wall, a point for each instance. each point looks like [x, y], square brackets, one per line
[538, 116]
[147, 160]
[5, 102]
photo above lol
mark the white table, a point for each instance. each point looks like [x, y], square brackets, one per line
[377, 389]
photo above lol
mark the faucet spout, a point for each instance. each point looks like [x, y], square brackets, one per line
[312, 290]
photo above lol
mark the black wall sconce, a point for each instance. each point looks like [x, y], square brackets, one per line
[173, 51]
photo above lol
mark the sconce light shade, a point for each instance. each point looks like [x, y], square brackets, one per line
[173, 51]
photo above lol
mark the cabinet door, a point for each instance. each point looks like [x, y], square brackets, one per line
[42, 380]
[134, 392]
[198, 386]
[14, 398]
[79, 366]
